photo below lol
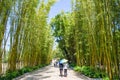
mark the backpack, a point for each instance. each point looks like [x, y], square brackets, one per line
[60, 65]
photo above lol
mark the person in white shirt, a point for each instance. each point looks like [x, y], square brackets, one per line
[65, 67]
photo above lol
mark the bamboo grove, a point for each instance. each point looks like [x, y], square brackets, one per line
[90, 34]
[23, 25]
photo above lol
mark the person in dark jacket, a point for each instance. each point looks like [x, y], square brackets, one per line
[61, 68]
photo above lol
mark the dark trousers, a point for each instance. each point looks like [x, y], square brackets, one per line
[61, 72]
[65, 72]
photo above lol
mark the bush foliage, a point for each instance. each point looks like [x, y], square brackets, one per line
[13, 74]
[91, 72]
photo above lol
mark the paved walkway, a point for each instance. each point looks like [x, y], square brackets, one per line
[51, 73]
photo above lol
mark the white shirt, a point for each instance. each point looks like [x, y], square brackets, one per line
[65, 66]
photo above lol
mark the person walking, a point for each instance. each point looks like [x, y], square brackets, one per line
[65, 69]
[61, 68]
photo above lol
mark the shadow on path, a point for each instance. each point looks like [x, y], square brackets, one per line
[51, 73]
[34, 73]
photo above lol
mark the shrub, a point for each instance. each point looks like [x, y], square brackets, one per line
[77, 68]
[12, 74]
[106, 78]
[90, 72]
[72, 65]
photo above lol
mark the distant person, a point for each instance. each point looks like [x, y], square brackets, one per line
[65, 67]
[55, 62]
[52, 62]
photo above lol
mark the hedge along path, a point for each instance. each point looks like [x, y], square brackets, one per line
[51, 73]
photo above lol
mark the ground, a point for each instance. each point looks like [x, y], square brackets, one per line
[51, 73]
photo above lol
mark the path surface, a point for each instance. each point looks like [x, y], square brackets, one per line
[51, 73]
